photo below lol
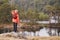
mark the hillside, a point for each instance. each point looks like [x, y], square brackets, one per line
[34, 4]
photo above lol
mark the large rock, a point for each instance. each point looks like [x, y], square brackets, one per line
[14, 35]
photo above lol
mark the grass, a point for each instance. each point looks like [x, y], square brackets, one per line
[32, 38]
[45, 38]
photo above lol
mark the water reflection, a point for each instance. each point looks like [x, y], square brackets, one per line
[42, 32]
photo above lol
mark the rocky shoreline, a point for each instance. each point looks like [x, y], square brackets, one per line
[14, 36]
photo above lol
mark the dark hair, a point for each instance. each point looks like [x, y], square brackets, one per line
[13, 8]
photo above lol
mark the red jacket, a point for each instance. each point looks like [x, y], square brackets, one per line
[15, 20]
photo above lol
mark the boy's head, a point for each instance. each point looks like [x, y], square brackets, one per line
[16, 11]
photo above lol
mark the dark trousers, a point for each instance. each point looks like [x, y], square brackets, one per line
[15, 27]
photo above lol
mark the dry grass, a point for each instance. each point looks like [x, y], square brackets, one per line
[44, 38]
[9, 38]
[31, 38]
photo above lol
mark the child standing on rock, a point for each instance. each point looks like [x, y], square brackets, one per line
[15, 19]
